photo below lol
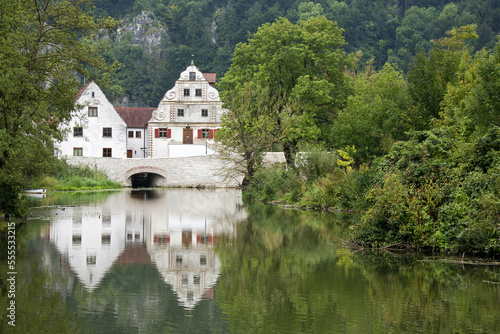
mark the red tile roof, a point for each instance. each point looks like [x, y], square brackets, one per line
[135, 117]
[210, 77]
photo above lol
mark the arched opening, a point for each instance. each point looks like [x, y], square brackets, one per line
[146, 180]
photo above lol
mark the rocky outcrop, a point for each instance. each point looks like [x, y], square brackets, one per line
[145, 28]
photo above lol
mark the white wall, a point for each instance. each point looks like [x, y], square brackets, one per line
[92, 142]
[137, 144]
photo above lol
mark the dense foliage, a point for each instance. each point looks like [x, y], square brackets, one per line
[385, 30]
[419, 158]
[45, 44]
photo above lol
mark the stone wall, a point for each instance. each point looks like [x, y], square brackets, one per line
[204, 171]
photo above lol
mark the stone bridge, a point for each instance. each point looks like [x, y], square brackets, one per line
[196, 171]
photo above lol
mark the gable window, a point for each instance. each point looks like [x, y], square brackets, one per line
[204, 112]
[192, 76]
[180, 112]
[106, 132]
[77, 131]
[197, 92]
[106, 152]
[93, 94]
[186, 92]
[77, 151]
[92, 111]
[131, 134]
[138, 134]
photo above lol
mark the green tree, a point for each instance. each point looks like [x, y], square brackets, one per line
[432, 72]
[43, 47]
[301, 67]
[375, 116]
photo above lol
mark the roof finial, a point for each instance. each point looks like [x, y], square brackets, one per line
[192, 60]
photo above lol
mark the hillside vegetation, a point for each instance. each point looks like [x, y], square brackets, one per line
[157, 38]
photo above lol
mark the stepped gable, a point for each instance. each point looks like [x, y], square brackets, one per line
[135, 117]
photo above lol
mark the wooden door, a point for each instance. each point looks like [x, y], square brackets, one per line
[129, 153]
[187, 136]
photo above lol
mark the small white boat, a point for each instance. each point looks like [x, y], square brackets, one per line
[35, 191]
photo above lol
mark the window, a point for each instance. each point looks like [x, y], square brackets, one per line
[77, 152]
[106, 239]
[106, 132]
[203, 260]
[138, 134]
[178, 260]
[92, 111]
[185, 279]
[77, 239]
[106, 152]
[204, 112]
[93, 94]
[91, 259]
[180, 112]
[192, 76]
[205, 133]
[77, 131]
[186, 92]
[131, 134]
[163, 132]
[197, 92]
[196, 279]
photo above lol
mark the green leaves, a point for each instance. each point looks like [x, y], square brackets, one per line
[40, 57]
[300, 67]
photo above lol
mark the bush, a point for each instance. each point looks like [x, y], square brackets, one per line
[276, 183]
[435, 193]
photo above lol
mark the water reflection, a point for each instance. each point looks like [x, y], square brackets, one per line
[175, 230]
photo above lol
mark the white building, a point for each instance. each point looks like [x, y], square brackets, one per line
[187, 117]
[184, 124]
[96, 129]
[137, 125]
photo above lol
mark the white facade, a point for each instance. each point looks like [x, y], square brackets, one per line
[96, 129]
[136, 143]
[189, 114]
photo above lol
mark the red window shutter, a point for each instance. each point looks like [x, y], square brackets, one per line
[199, 134]
[211, 134]
[157, 133]
[215, 132]
[169, 133]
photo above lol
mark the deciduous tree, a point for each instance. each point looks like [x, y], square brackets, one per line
[301, 68]
[43, 45]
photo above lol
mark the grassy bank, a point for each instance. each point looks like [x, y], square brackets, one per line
[64, 177]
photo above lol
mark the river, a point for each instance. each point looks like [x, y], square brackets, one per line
[201, 261]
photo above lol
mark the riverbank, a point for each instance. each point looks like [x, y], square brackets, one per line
[422, 196]
[64, 177]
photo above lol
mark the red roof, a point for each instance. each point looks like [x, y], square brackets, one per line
[135, 117]
[210, 77]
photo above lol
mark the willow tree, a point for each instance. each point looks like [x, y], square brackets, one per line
[300, 66]
[44, 44]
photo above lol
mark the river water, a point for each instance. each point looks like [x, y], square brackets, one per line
[200, 261]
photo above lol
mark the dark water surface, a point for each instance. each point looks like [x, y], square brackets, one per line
[191, 261]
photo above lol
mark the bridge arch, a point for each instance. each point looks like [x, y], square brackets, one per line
[146, 176]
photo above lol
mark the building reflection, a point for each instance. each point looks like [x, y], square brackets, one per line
[174, 230]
